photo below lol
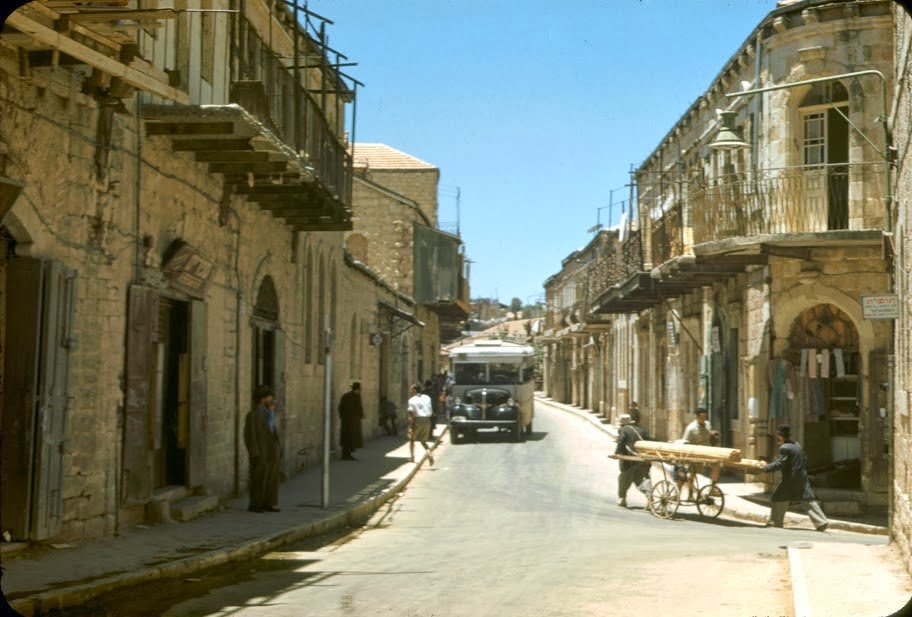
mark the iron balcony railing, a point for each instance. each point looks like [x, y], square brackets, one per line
[269, 95]
[631, 254]
[787, 200]
[667, 235]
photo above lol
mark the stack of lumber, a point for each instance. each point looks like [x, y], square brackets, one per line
[748, 464]
[679, 451]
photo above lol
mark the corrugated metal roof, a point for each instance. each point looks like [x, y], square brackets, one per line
[381, 156]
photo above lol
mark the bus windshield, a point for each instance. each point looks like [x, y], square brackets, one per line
[470, 373]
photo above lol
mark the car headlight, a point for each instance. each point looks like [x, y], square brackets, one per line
[457, 401]
[510, 402]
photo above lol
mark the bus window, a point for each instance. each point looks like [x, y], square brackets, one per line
[470, 373]
[504, 373]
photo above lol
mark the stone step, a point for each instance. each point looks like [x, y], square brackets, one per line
[191, 507]
[841, 508]
[170, 493]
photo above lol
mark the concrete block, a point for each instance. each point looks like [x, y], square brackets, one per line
[841, 508]
[192, 507]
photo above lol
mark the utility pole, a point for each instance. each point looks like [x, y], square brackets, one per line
[327, 412]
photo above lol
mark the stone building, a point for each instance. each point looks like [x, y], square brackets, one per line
[175, 190]
[901, 249]
[396, 232]
[760, 231]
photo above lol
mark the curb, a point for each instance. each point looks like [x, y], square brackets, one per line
[800, 600]
[75, 595]
[753, 517]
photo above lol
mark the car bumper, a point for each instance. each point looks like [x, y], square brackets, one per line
[457, 424]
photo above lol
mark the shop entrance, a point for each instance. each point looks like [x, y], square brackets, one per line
[171, 393]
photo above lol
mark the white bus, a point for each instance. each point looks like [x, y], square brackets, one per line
[493, 388]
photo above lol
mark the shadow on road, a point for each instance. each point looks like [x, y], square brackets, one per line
[492, 436]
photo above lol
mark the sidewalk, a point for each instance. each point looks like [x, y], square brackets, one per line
[43, 578]
[827, 578]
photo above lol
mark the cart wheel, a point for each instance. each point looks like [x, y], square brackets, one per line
[664, 499]
[710, 501]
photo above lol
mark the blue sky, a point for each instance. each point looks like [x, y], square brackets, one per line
[534, 109]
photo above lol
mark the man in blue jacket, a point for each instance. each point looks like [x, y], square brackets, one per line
[794, 485]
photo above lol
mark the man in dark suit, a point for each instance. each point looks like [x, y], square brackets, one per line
[351, 412]
[262, 440]
[794, 485]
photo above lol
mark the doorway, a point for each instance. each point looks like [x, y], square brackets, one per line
[171, 355]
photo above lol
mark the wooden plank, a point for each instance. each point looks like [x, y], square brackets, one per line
[257, 168]
[286, 189]
[89, 15]
[213, 145]
[325, 227]
[96, 59]
[228, 156]
[655, 448]
[189, 128]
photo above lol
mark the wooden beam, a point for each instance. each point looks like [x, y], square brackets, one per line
[214, 145]
[256, 168]
[269, 198]
[325, 227]
[299, 209]
[189, 128]
[265, 189]
[231, 156]
[95, 59]
[85, 15]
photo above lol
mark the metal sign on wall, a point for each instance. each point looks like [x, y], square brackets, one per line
[188, 271]
[880, 306]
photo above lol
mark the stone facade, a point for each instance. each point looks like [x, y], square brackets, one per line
[155, 375]
[751, 255]
[901, 122]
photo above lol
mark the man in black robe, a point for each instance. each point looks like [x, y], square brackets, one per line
[351, 412]
[794, 485]
[262, 440]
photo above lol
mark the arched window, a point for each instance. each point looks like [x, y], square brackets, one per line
[267, 302]
[309, 308]
[265, 322]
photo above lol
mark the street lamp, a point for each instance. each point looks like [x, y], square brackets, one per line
[729, 137]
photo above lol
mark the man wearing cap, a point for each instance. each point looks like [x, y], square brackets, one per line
[351, 412]
[794, 485]
[632, 472]
[262, 441]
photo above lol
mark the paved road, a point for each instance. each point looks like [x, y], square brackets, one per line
[505, 529]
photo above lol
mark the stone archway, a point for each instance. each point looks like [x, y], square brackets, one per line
[824, 351]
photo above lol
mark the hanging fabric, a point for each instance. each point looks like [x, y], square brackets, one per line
[825, 363]
[812, 363]
[840, 362]
[802, 368]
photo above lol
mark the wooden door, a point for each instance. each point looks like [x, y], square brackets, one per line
[23, 313]
[198, 394]
[139, 429]
[53, 399]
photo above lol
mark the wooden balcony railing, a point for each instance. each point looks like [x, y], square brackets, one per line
[271, 99]
[788, 200]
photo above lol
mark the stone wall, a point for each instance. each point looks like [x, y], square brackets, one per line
[902, 402]
[113, 226]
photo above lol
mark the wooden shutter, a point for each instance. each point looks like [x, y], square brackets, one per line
[198, 394]
[24, 282]
[138, 428]
[53, 399]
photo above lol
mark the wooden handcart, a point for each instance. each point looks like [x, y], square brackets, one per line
[665, 498]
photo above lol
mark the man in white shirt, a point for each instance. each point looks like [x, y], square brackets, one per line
[697, 433]
[419, 421]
